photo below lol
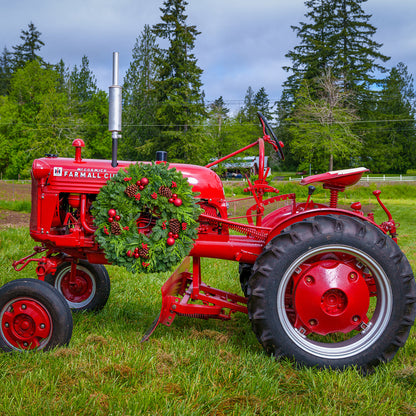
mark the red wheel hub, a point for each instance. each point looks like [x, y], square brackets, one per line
[330, 296]
[80, 289]
[25, 323]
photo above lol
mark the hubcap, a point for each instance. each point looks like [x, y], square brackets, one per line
[323, 301]
[80, 292]
[331, 296]
[25, 324]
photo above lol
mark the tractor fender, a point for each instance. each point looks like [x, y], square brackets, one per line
[288, 220]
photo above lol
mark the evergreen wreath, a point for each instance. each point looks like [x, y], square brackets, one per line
[146, 217]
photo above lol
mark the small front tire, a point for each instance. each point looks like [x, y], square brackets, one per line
[33, 315]
[91, 288]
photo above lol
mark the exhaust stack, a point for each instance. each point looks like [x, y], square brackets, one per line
[114, 112]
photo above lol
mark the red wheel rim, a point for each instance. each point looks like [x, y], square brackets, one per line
[79, 290]
[25, 324]
[330, 296]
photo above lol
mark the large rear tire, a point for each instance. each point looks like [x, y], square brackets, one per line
[91, 289]
[332, 292]
[33, 315]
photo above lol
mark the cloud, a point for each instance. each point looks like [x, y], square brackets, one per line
[242, 42]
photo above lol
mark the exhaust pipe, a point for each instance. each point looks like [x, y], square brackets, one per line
[114, 111]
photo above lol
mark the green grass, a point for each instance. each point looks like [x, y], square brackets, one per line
[194, 367]
[21, 205]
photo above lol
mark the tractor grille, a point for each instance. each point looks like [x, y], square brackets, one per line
[34, 211]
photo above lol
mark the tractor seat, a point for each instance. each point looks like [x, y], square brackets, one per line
[336, 178]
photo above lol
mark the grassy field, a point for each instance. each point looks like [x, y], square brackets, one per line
[195, 367]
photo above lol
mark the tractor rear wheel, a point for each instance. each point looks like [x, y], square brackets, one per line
[91, 288]
[33, 315]
[332, 291]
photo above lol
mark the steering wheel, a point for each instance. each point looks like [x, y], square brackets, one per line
[268, 129]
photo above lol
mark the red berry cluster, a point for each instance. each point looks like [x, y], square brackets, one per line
[171, 238]
[142, 183]
[136, 252]
[113, 216]
[175, 200]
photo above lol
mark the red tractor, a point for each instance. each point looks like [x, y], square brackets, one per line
[322, 285]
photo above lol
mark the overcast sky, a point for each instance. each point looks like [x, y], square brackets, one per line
[242, 42]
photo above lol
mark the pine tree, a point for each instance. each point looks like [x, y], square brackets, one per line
[247, 113]
[315, 51]
[139, 104]
[28, 50]
[391, 146]
[83, 84]
[337, 36]
[217, 116]
[5, 71]
[178, 88]
[262, 103]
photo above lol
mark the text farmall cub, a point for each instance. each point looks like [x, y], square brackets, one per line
[322, 285]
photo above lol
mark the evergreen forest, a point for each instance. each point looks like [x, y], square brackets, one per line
[342, 106]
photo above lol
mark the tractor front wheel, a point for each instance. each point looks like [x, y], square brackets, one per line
[33, 315]
[332, 291]
[90, 289]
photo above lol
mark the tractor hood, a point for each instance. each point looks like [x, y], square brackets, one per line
[89, 175]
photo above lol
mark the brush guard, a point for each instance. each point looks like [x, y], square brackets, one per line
[184, 287]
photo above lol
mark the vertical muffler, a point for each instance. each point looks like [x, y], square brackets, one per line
[114, 110]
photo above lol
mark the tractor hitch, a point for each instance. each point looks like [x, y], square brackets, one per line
[184, 287]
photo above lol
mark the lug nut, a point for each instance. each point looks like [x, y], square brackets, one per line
[6, 324]
[313, 322]
[355, 318]
[309, 280]
[23, 306]
[353, 277]
[42, 326]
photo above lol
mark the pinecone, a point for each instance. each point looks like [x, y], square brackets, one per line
[144, 253]
[174, 226]
[131, 190]
[165, 191]
[115, 228]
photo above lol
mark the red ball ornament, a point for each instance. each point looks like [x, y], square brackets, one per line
[112, 212]
[117, 218]
[170, 241]
[129, 253]
[136, 255]
[171, 200]
[110, 219]
[177, 202]
[170, 234]
[175, 236]
[174, 196]
[144, 181]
